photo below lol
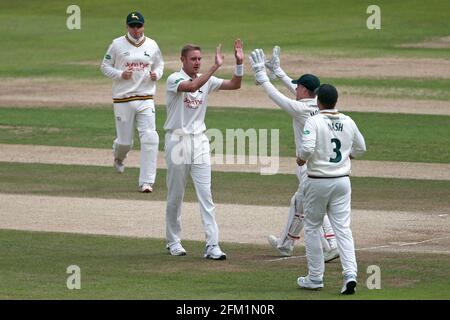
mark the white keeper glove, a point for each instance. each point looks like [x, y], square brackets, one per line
[273, 65]
[257, 61]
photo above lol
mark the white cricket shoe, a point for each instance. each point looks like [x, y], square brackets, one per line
[214, 252]
[349, 286]
[307, 283]
[176, 249]
[283, 251]
[330, 255]
[118, 164]
[146, 188]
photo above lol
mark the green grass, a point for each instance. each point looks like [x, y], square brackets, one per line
[227, 187]
[393, 87]
[33, 266]
[324, 28]
[376, 87]
[395, 137]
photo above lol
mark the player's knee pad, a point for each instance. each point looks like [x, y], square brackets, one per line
[296, 227]
[297, 220]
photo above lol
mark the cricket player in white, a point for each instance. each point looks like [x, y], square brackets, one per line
[186, 145]
[135, 63]
[330, 139]
[300, 110]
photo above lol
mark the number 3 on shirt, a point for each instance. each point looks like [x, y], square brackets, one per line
[336, 150]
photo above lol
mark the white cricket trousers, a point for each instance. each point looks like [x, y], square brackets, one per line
[294, 224]
[143, 111]
[189, 155]
[332, 196]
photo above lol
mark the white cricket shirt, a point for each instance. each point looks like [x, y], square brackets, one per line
[141, 56]
[329, 138]
[299, 110]
[186, 110]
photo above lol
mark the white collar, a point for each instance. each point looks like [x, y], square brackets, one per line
[134, 40]
[307, 99]
[329, 111]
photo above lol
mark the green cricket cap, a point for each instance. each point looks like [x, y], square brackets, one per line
[135, 18]
[309, 81]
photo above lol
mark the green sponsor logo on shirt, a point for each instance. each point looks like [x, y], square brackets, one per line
[178, 80]
[108, 57]
[306, 132]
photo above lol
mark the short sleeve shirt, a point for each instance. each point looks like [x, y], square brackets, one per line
[186, 110]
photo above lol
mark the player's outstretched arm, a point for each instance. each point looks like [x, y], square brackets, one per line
[235, 82]
[257, 61]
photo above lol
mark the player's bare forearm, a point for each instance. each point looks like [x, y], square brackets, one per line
[233, 84]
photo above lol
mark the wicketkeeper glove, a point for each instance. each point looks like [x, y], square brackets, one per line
[273, 65]
[257, 61]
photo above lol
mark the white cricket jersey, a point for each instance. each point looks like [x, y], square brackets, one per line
[299, 110]
[186, 110]
[141, 56]
[329, 139]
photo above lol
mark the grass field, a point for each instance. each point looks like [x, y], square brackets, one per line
[324, 28]
[127, 268]
[228, 187]
[37, 44]
[415, 138]
[393, 87]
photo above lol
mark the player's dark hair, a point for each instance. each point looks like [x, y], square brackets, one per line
[327, 96]
[189, 47]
